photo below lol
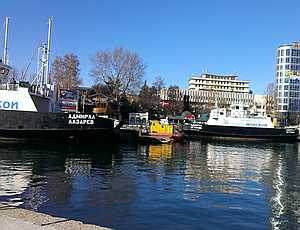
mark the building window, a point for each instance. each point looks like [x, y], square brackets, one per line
[288, 52]
[287, 59]
[287, 66]
[284, 107]
[286, 87]
[282, 52]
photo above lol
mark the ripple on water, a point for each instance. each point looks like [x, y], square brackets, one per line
[207, 184]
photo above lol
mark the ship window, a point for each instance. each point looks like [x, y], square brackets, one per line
[237, 107]
[221, 113]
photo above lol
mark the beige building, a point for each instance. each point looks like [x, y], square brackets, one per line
[207, 99]
[221, 83]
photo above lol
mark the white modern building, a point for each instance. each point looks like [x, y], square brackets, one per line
[221, 83]
[288, 78]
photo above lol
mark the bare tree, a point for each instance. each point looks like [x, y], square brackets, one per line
[120, 70]
[65, 71]
[159, 83]
[270, 93]
[16, 75]
[176, 99]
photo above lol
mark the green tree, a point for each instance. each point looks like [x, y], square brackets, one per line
[147, 98]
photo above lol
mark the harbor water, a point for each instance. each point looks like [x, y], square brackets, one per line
[190, 185]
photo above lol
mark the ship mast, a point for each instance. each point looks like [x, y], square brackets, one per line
[5, 57]
[48, 50]
[42, 76]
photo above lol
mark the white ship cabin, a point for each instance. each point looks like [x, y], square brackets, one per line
[21, 96]
[239, 115]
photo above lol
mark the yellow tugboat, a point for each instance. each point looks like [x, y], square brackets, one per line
[160, 132]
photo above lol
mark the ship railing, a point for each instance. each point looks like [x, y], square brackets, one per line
[42, 91]
[9, 86]
[247, 116]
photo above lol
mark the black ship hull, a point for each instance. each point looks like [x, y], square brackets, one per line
[233, 132]
[58, 127]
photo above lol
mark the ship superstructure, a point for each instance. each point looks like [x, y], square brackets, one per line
[239, 122]
[27, 109]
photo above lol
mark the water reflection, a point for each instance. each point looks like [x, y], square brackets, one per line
[225, 167]
[244, 185]
[14, 179]
[285, 179]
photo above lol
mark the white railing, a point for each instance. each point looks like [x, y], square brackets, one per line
[9, 86]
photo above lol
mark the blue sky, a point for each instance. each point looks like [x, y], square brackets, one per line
[175, 38]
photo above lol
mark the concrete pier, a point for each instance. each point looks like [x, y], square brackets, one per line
[14, 218]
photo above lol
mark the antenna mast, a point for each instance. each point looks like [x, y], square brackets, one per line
[48, 51]
[42, 76]
[5, 57]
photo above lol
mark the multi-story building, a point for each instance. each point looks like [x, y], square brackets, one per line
[222, 83]
[205, 99]
[288, 79]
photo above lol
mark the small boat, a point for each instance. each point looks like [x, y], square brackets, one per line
[160, 132]
[239, 122]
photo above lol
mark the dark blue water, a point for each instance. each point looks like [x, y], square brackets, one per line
[193, 185]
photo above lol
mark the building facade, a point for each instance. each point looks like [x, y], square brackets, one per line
[288, 79]
[220, 83]
[204, 99]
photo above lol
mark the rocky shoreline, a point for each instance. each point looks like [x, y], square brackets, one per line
[14, 218]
